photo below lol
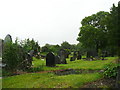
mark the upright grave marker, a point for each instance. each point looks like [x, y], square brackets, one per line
[57, 59]
[50, 59]
[79, 56]
[62, 55]
[8, 38]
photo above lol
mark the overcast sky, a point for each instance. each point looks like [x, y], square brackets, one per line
[47, 21]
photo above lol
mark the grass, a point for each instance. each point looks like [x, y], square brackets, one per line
[48, 80]
[78, 64]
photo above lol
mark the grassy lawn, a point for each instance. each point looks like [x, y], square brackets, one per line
[78, 64]
[51, 80]
[48, 80]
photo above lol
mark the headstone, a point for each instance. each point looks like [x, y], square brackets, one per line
[62, 55]
[50, 59]
[57, 59]
[31, 53]
[91, 53]
[117, 85]
[67, 54]
[1, 47]
[72, 59]
[29, 58]
[8, 38]
[74, 55]
[79, 56]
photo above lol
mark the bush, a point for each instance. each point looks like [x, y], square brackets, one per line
[110, 70]
[11, 56]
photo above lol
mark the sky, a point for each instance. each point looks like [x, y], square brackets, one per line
[47, 21]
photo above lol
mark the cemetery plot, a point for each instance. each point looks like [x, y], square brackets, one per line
[72, 75]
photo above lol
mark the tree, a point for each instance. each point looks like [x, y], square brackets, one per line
[54, 48]
[93, 31]
[113, 25]
[29, 45]
[46, 48]
[65, 45]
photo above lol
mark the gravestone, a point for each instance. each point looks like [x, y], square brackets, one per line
[79, 56]
[91, 54]
[8, 38]
[67, 54]
[1, 47]
[50, 59]
[74, 55]
[117, 85]
[62, 55]
[29, 58]
[57, 59]
[72, 59]
[31, 53]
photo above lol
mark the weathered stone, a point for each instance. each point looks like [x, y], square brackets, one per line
[1, 47]
[50, 59]
[8, 38]
[79, 56]
[57, 59]
[92, 53]
[74, 55]
[72, 59]
[62, 55]
[31, 53]
[118, 79]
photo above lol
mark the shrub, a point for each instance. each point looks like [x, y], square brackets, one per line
[110, 70]
[11, 56]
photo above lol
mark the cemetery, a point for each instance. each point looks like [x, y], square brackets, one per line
[53, 70]
[92, 63]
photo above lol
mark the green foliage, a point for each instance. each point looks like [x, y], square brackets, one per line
[11, 56]
[51, 48]
[28, 45]
[65, 45]
[46, 48]
[93, 31]
[14, 54]
[110, 70]
[113, 24]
